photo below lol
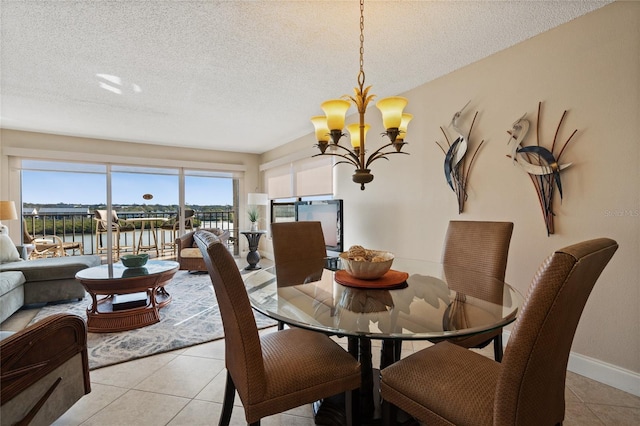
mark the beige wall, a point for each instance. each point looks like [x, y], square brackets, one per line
[589, 66]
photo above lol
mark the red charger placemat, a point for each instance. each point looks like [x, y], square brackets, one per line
[392, 279]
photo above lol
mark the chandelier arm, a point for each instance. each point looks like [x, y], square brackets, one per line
[373, 158]
[374, 154]
[351, 153]
[348, 159]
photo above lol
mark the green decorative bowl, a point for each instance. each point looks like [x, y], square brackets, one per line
[134, 260]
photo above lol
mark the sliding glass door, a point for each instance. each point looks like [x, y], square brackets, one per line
[152, 205]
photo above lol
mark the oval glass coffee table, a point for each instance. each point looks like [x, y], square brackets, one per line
[140, 290]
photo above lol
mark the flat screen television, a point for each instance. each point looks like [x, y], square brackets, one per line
[329, 214]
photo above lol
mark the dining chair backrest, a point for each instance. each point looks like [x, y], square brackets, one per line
[297, 240]
[243, 351]
[535, 360]
[479, 246]
[299, 252]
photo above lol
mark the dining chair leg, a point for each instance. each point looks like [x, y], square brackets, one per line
[227, 405]
[352, 406]
[497, 347]
[389, 414]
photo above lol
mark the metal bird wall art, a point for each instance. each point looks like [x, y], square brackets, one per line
[542, 165]
[455, 172]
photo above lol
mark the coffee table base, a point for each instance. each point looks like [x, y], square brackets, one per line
[111, 322]
[103, 319]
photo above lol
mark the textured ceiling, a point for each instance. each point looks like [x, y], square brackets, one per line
[234, 75]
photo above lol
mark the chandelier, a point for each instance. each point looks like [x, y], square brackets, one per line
[330, 126]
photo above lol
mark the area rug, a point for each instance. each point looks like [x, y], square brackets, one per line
[191, 318]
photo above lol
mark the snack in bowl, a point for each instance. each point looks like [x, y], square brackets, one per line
[366, 264]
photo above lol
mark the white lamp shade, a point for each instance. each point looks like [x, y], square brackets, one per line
[257, 199]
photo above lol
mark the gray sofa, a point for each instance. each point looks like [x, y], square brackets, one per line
[29, 282]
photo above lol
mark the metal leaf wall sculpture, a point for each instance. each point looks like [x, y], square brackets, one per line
[542, 164]
[456, 169]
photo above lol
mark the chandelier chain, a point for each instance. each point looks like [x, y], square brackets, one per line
[361, 74]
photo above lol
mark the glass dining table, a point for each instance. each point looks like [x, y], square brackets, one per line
[436, 302]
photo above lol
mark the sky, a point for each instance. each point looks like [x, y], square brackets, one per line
[43, 187]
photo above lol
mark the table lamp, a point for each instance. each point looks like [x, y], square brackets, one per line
[7, 212]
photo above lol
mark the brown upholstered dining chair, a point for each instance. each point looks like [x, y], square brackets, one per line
[293, 241]
[450, 385]
[299, 252]
[481, 247]
[277, 371]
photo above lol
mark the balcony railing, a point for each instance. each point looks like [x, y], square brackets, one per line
[82, 228]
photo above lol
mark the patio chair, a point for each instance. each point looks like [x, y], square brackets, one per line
[118, 227]
[49, 245]
[172, 227]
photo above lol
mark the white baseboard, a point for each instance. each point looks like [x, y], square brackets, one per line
[600, 371]
[603, 372]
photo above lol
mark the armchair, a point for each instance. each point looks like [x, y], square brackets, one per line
[189, 255]
[44, 370]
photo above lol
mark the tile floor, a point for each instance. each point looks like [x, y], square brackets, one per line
[186, 387]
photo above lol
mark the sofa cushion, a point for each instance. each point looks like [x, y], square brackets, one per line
[8, 250]
[190, 252]
[10, 280]
[52, 268]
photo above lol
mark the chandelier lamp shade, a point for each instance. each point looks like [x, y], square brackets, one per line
[329, 127]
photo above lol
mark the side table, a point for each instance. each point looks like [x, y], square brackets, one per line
[253, 257]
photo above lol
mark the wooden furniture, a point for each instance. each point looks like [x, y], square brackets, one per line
[415, 311]
[119, 227]
[447, 384]
[189, 255]
[153, 233]
[173, 227]
[112, 280]
[277, 371]
[45, 370]
[49, 246]
[253, 257]
[483, 247]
